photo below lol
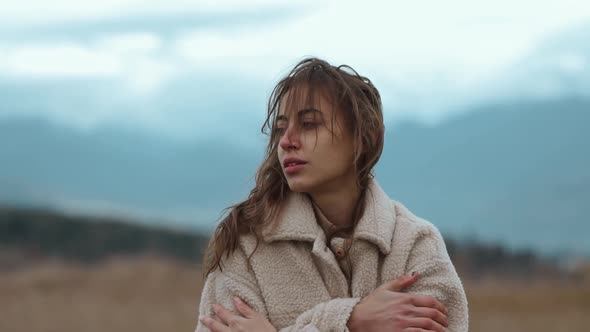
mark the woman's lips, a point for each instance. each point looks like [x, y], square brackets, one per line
[292, 169]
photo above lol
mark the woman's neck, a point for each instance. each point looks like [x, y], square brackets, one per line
[338, 204]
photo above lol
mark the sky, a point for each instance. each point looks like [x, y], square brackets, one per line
[183, 67]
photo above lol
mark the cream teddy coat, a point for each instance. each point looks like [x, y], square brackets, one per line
[294, 279]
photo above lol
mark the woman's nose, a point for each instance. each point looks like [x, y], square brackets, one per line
[290, 140]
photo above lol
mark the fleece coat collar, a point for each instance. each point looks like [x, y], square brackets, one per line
[297, 221]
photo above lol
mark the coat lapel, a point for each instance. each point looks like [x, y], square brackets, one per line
[326, 263]
[378, 221]
[296, 220]
[371, 240]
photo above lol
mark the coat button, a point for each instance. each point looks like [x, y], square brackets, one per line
[339, 252]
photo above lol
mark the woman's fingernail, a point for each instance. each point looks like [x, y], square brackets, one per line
[238, 302]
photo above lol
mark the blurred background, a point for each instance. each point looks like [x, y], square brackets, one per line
[127, 126]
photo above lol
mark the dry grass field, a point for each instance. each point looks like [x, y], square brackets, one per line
[156, 294]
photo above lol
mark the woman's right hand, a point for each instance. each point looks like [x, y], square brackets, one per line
[387, 309]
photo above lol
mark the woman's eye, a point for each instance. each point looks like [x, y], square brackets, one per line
[279, 130]
[309, 124]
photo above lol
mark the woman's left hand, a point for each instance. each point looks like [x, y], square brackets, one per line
[249, 320]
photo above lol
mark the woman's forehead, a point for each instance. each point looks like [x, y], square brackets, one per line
[294, 101]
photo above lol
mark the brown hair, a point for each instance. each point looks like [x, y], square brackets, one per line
[360, 103]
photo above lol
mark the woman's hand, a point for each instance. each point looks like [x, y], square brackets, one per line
[226, 321]
[386, 309]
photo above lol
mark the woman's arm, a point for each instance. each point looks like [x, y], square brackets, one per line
[384, 307]
[236, 280]
[438, 277]
[326, 316]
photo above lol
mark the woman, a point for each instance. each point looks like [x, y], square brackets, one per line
[318, 245]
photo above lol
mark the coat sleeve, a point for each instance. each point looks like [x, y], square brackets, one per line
[221, 286]
[237, 280]
[326, 316]
[438, 277]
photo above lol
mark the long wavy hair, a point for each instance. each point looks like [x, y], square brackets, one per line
[351, 94]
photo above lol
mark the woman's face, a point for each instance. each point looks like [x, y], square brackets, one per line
[316, 154]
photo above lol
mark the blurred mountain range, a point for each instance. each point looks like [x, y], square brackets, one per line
[121, 172]
[517, 173]
[512, 165]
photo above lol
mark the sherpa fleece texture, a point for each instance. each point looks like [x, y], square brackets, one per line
[295, 281]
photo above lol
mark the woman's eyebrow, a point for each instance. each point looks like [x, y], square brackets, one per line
[306, 111]
[300, 114]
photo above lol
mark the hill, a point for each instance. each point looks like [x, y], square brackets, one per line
[27, 236]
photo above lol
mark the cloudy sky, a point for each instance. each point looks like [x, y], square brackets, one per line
[183, 67]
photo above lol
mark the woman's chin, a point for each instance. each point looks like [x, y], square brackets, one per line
[297, 189]
[298, 186]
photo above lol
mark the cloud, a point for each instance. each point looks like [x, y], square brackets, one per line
[131, 59]
[65, 60]
[37, 13]
[426, 63]
[135, 47]
[165, 23]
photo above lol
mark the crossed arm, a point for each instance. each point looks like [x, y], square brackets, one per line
[232, 301]
[409, 312]
[222, 289]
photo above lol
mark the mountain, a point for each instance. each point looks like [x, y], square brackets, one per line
[556, 67]
[120, 172]
[28, 235]
[517, 173]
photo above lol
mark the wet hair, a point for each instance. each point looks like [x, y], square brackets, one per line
[351, 95]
